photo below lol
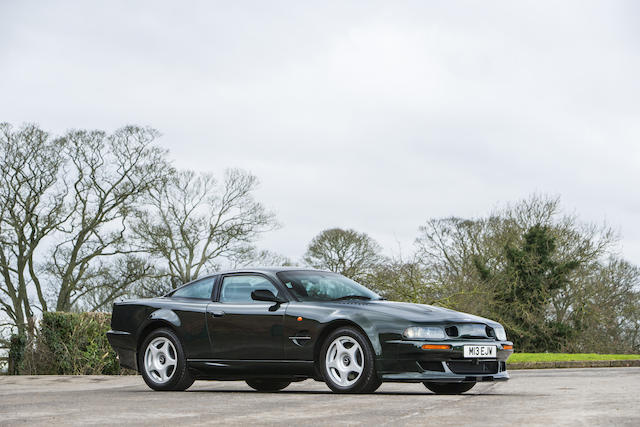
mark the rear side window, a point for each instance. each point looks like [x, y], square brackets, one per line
[199, 290]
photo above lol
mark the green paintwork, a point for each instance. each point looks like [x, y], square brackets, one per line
[239, 341]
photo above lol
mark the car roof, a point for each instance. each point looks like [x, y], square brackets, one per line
[265, 270]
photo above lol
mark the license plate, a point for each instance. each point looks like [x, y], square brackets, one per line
[480, 351]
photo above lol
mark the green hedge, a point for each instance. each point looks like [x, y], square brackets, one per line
[17, 346]
[70, 344]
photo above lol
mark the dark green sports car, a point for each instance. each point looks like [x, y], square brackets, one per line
[273, 326]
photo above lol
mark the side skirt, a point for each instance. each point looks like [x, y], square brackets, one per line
[242, 369]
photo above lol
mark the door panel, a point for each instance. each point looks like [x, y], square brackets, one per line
[241, 328]
[246, 331]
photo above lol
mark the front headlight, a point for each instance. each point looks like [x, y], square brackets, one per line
[501, 335]
[424, 333]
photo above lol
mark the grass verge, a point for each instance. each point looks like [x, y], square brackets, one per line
[563, 357]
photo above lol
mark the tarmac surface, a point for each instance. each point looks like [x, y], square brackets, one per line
[597, 396]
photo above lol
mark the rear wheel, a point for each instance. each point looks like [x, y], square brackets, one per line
[162, 362]
[267, 384]
[348, 363]
[449, 388]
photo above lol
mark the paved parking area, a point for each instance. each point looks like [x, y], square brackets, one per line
[608, 396]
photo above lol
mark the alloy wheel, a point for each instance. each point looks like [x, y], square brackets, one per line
[160, 360]
[344, 361]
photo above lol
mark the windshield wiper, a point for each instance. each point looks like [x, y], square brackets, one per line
[351, 297]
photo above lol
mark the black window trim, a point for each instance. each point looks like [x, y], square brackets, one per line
[220, 279]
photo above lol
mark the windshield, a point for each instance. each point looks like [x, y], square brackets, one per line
[323, 286]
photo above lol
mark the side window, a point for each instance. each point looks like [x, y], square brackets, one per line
[199, 290]
[237, 289]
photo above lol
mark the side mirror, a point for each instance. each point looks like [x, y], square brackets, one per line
[265, 295]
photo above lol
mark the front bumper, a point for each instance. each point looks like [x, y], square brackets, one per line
[406, 361]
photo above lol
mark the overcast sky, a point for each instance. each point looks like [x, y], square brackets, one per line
[370, 115]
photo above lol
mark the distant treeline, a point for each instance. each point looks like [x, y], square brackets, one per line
[555, 283]
[89, 216]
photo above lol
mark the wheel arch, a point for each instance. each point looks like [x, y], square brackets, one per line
[329, 328]
[151, 326]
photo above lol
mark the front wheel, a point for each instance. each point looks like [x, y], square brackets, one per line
[267, 384]
[348, 363]
[449, 388]
[162, 362]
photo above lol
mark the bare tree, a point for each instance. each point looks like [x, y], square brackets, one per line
[402, 279]
[193, 221]
[606, 308]
[109, 174]
[253, 257]
[31, 208]
[347, 252]
[124, 276]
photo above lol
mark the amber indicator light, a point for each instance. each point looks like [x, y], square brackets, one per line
[507, 347]
[299, 319]
[436, 347]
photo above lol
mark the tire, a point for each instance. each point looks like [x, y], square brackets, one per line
[449, 388]
[267, 384]
[162, 362]
[345, 352]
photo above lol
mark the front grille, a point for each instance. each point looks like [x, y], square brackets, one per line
[473, 367]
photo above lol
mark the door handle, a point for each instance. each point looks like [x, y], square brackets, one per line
[217, 313]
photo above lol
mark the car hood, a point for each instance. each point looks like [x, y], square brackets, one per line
[418, 312]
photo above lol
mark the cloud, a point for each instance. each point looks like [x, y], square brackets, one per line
[371, 115]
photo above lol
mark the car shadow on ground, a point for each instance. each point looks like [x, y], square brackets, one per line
[329, 392]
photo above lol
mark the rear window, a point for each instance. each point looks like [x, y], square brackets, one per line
[201, 289]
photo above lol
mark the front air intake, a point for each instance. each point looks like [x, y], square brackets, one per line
[491, 333]
[469, 331]
[473, 367]
[431, 366]
[452, 331]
